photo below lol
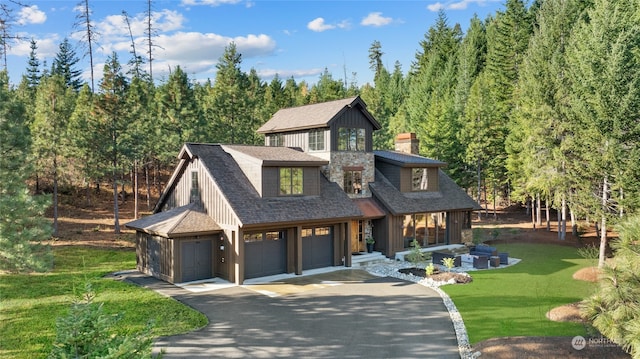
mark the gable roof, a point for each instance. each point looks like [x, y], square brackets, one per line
[251, 208]
[449, 197]
[403, 159]
[276, 156]
[314, 116]
[182, 221]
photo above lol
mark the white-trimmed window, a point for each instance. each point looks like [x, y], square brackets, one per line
[316, 140]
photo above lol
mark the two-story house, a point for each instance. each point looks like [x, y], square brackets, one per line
[307, 199]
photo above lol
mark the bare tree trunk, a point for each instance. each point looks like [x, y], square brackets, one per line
[548, 215]
[135, 189]
[603, 226]
[533, 214]
[574, 222]
[479, 188]
[55, 195]
[486, 203]
[495, 213]
[538, 211]
[148, 185]
[563, 236]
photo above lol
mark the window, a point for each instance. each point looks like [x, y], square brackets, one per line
[274, 236]
[323, 231]
[419, 179]
[351, 139]
[195, 188]
[252, 237]
[353, 181]
[307, 232]
[316, 140]
[290, 181]
[276, 140]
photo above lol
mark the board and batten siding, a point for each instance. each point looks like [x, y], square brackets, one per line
[406, 177]
[300, 139]
[352, 119]
[271, 181]
[213, 202]
[155, 256]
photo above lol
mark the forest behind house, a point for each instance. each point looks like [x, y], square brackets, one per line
[538, 103]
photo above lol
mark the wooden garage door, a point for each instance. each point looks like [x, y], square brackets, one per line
[265, 254]
[317, 247]
[196, 260]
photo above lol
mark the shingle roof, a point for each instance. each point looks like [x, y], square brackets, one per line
[406, 159]
[332, 203]
[449, 197]
[277, 155]
[312, 116]
[177, 222]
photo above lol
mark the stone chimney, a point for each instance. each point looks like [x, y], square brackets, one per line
[407, 143]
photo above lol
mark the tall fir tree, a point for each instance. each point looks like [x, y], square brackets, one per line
[23, 226]
[64, 64]
[53, 107]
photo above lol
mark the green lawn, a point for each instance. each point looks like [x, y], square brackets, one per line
[513, 301]
[30, 303]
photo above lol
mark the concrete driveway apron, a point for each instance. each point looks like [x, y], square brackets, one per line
[344, 314]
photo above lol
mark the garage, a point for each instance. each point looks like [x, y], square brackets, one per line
[317, 247]
[196, 260]
[265, 254]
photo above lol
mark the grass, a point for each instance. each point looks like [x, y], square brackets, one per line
[514, 301]
[30, 303]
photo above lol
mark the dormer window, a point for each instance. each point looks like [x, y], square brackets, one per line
[195, 188]
[291, 181]
[276, 140]
[351, 139]
[419, 179]
[316, 140]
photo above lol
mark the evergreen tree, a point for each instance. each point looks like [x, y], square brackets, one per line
[604, 75]
[33, 70]
[613, 309]
[112, 113]
[230, 96]
[53, 107]
[327, 89]
[23, 226]
[64, 64]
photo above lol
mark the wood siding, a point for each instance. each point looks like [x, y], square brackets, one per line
[212, 200]
[352, 118]
[300, 139]
[271, 181]
[155, 256]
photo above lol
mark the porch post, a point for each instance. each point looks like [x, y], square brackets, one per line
[347, 243]
[298, 249]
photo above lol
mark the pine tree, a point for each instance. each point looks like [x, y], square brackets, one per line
[33, 69]
[604, 75]
[64, 64]
[113, 116]
[54, 105]
[23, 226]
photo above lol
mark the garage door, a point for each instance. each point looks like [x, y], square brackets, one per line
[265, 254]
[196, 260]
[317, 247]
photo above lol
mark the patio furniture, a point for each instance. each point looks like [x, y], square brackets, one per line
[494, 261]
[504, 257]
[483, 250]
[481, 262]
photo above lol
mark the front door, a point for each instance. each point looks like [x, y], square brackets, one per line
[357, 237]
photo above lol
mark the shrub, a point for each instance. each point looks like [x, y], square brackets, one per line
[87, 332]
[415, 256]
[448, 262]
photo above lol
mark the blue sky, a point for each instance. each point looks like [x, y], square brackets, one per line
[298, 38]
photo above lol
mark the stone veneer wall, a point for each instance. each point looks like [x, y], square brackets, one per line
[352, 159]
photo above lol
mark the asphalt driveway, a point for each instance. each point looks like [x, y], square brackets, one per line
[348, 314]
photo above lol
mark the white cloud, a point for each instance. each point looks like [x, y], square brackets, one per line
[193, 47]
[269, 74]
[319, 25]
[457, 5]
[376, 19]
[209, 2]
[31, 15]
[47, 46]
